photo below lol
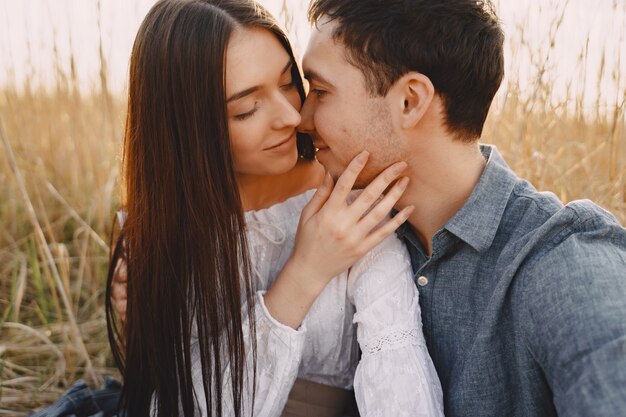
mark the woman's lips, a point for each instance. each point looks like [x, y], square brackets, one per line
[282, 144]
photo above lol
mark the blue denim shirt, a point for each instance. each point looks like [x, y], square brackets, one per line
[524, 302]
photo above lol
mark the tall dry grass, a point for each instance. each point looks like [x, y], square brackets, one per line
[59, 181]
[59, 177]
[53, 251]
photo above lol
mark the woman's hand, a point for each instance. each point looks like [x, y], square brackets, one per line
[118, 289]
[333, 234]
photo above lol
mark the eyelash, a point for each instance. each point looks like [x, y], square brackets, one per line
[244, 116]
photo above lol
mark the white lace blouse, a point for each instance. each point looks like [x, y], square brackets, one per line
[375, 303]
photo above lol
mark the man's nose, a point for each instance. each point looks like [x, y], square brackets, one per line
[306, 113]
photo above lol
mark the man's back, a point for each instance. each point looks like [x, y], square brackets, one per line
[524, 303]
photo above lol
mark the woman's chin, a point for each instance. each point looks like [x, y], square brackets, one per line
[281, 164]
[278, 164]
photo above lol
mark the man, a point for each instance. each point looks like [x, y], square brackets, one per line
[523, 299]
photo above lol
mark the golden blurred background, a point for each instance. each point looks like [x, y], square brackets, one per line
[558, 119]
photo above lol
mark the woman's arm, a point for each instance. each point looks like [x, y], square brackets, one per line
[395, 376]
[333, 234]
[278, 353]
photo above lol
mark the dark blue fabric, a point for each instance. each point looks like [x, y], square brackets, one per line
[81, 401]
[524, 302]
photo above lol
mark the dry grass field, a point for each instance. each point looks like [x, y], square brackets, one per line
[59, 188]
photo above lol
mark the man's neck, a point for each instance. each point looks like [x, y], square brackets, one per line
[441, 189]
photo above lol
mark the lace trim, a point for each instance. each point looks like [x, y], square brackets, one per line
[393, 340]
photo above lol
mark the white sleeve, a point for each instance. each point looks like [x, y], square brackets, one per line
[279, 350]
[395, 376]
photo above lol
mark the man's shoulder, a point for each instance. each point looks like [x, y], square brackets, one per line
[577, 228]
[545, 241]
[526, 201]
[576, 246]
[570, 289]
[590, 213]
[544, 221]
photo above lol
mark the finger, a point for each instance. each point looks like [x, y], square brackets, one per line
[116, 301]
[120, 275]
[381, 233]
[319, 198]
[120, 308]
[118, 291]
[346, 181]
[375, 189]
[381, 209]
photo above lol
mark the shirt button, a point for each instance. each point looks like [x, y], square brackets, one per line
[421, 281]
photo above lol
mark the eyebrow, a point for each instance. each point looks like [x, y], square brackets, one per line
[256, 88]
[311, 75]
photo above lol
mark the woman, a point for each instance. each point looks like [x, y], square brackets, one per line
[210, 133]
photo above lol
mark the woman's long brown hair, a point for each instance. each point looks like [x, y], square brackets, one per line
[184, 235]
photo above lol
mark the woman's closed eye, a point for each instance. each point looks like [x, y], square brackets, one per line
[244, 116]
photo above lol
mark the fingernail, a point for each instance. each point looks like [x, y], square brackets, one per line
[363, 157]
[399, 167]
[403, 182]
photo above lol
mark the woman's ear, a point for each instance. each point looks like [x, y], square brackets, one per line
[415, 91]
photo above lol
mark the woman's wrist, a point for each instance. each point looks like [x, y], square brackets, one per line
[306, 278]
[293, 293]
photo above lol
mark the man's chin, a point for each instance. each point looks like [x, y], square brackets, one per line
[323, 158]
[359, 184]
[335, 171]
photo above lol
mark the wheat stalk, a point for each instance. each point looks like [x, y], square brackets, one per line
[44, 246]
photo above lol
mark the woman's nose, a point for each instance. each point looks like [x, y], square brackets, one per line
[288, 115]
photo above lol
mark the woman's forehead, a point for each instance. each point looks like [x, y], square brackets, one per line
[254, 57]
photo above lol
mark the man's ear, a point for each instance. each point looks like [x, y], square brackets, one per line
[414, 92]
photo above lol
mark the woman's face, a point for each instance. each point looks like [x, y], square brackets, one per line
[262, 103]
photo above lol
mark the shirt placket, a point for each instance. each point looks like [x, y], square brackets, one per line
[425, 278]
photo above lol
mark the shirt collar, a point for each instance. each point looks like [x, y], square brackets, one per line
[477, 222]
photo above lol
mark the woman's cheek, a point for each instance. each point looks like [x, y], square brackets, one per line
[247, 140]
[237, 145]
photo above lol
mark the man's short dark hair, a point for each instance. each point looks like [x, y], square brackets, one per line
[457, 44]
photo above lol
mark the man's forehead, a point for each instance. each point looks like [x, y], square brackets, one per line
[322, 33]
[321, 48]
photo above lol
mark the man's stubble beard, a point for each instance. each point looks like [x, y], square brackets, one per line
[384, 146]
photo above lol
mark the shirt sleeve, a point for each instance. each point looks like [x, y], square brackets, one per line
[395, 376]
[279, 350]
[575, 315]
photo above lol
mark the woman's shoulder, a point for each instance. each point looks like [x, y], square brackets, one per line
[283, 211]
[298, 188]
